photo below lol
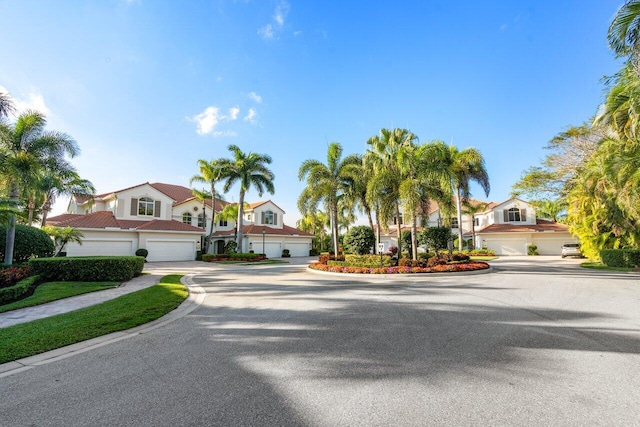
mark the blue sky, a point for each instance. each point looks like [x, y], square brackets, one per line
[149, 87]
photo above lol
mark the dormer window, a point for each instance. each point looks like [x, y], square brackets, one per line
[515, 215]
[269, 218]
[145, 206]
[186, 218]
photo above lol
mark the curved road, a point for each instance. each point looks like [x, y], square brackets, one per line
[539, 341]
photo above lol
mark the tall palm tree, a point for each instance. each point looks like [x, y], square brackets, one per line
[210, 173]
[624, 31]
[466, 166]
[621, 109]
[55, 183]
[326, 183]
[315, 223]
[356, 192]
[384, 157]
[472, 209]
[248, 170]
[28, 149]
[230, 213]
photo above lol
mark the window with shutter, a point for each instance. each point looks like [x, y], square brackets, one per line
[268, 218]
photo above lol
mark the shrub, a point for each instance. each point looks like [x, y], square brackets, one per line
[469, 266]
[322, 259]
[285, 253]
[20, 290]
[88, 269]
[12, 275]
[532, 250]
[142, 252]
[483, 252]
[233, 257]
[368, 260]
[435, 237]
[230, 247]
[359, 240]
[30, 242]
[313, 252]
[629, 258]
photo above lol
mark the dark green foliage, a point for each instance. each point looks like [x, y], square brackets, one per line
[198, 255]
[313, 252]
[367, 260]
[285, 253]
[435, 237]
[233, 257]
[20, 290]
[406, 243]
[89, 269]
[230, 247]
[532, 250]
[359, 240]
[629, 258]
[12, 275]
[142, 252]
[30, 242]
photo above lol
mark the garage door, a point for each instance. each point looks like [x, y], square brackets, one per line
[272, 249]
[101, 247]
[171, 250]
[549, 246]
[508, 246]
[297, 249]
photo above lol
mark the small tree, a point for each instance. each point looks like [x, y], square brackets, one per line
[435, 237]
[62, 236]
[359, 240]
[230, 247]
[406, 241]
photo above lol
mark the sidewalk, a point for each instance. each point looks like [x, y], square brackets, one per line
[153, 273]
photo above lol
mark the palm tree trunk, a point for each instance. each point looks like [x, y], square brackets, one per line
[399, 230]
[414, 239]
[473, 232]
[205, 247]
[46, 207]
[32, 208]
[213, 211]
[11, 228]
[459, 209]
[370, 218]
[240, 221]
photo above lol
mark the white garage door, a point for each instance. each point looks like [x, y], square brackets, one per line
[508, 246]
[549, 246]
[171, 250]
[101, 247]
[272, 249]
[297, 249]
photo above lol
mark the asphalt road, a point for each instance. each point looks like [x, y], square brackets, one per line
[537, 342]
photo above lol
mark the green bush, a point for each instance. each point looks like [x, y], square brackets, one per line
[628, 258]
[20, 290]
[532, 250]
[230, 247]
[435, 237]
[359, 240]
[88, 269]
[30, 242]
[142, 252]
[233, 257]
[368, 260]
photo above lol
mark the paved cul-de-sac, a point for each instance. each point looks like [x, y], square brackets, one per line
[538, 341]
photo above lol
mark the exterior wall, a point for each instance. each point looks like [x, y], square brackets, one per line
[254, 243]
[548, 243]
[145, 191]
[498, 215]
[269, 206]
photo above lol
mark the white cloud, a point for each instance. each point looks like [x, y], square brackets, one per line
[255, 97]
[34, 101]
[211, 117]
[270, 30]
[251, 116]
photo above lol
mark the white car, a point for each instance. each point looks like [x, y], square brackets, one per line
[571, 249]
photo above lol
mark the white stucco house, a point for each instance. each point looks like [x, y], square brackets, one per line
[508, 228]
[171, 224]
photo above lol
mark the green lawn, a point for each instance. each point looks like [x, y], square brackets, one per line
[125, 312]
[53, 291]
[601, 266]
[482, 258]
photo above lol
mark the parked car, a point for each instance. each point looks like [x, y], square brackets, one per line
[571, 249]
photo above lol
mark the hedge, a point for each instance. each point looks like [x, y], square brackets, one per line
[367, 261]
[88, 269]
[29, 242]
[233, 257]
[628, 258]
[20, 290]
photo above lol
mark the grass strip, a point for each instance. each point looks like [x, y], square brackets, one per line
[482, 257]
[52, 291]
[125, 312]
[601, 266]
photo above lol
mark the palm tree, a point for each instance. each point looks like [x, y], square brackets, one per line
[230, 213]
[28, 150]
[327, 183]
[6, 106]
[383, 157]
[315, 223]
[249, 170]
[466, 166]
[621, 109]
[624, 31]
[550, 209]
[356, 192]
[64, 235]
[55, 183]
[472, 209]
[210, 173]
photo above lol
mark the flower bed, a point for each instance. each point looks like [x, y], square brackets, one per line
[233, 257]
[11, 275]
[467, 266]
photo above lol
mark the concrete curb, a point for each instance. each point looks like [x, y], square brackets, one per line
[196, 297]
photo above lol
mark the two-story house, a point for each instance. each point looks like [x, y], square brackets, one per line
[171, 224]
[508, 228]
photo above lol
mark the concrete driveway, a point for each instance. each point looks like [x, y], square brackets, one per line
[539, 341]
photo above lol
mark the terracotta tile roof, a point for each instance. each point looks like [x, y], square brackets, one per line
[269, 231]
[105, 219]
[220, 204]
[263, 202]
[55, 220]
[541, 225]
[176, 192]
